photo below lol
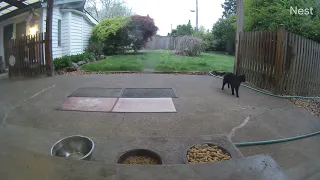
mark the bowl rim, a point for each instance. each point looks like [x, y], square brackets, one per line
[83, 157]
[185, 160]
[130, 150]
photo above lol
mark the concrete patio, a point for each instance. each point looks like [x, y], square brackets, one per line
[28, 111]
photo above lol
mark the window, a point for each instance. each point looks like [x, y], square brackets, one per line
[59, 32]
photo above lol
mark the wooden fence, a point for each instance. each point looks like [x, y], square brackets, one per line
[26, 55]
[163, 43]
[280, 62]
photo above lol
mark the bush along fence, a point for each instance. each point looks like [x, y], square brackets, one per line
[73, 62]
[280, 62]
[163, 43]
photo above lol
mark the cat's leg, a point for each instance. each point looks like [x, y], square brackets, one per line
[237, 91]
[224, 83]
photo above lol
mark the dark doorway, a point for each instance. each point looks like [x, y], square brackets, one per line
[7, 36]
[20, 29]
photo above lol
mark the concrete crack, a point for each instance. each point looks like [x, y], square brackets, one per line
[245, 121]
[19, 104]
[118, 125]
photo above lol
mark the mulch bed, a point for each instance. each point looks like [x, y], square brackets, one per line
[313, 106]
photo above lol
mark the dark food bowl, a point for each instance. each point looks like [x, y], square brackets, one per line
[74, 147]
[140, 152]
[185, 159]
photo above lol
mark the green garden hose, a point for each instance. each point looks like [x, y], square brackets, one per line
[241, 144]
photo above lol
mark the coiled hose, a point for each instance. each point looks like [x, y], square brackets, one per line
[273, 141]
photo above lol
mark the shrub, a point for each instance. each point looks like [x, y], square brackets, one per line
[117, 35]
[110, 35]
[206, 36]
[79, 57]
[94, 47]
[63, 62]
[189, 46]
[224, 33]
[141, 29]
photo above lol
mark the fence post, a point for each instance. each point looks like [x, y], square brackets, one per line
[280, 56]
[48, 38]
[238, 54]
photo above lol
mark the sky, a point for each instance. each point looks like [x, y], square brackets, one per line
[175, 12]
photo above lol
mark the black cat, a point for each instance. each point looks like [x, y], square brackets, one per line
[234, 81]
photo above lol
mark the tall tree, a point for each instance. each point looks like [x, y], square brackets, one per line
[230, 7]
[224, 34]
[109, 9]
[268, 14]
[183, 30]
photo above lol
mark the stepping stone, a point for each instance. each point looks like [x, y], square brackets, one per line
[97, 92]
[144, 105]
[88, 104]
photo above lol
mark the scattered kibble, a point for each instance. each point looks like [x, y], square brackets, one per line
[206, 153]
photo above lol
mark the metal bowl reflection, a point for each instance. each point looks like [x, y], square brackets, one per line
[73, 147]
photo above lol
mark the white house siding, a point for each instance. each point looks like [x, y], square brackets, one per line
[65, 33]
[56, 51]
[76, 42]
[86, 32]
[75, 32]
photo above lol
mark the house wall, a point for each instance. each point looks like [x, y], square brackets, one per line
[66, 36]
[86, 33]
[80, 33]
[57, 51]
[75, 31]
[76, 34]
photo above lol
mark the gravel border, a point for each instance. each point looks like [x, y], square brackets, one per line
[311, 105]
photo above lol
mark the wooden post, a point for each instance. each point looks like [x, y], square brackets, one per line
[240, 20]
[280, 55]
[48, 41]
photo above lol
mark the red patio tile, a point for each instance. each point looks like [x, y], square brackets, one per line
[89, 104]
[144, 105]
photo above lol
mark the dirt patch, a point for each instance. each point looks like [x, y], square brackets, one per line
[313, 106]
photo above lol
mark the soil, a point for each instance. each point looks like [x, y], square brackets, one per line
[313, 106]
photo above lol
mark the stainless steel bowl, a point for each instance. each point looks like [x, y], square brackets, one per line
[73, 147]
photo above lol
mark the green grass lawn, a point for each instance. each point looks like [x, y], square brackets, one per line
[163, 61]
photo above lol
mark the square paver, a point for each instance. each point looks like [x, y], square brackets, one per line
[148, 93]
[88, 104]
[97, 92]
[148, 105]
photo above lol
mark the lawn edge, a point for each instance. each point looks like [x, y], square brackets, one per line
[82, 72]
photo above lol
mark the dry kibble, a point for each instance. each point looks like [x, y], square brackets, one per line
[139, 160]
[206, 153]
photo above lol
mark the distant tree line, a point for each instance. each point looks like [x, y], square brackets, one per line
[259, 15]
